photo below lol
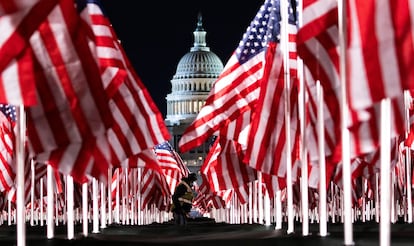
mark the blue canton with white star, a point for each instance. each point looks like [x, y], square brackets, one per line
[264, 28]
[165, 146]
[9, 111]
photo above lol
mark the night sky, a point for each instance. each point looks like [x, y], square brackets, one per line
[156, 34]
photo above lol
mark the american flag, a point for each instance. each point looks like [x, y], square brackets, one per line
[380, 50]
[224, 166]
[110, 58]
[111, 121]
[225, 170]
[253, 80]
[169, 158]
[138, 124]
[268, 123]
[379, 62]
[318, 46]
[237, 88]
[171, 163]
[153, 190]
[72, 110]
[19, 20]
[207, 199]
[317, 41]
[153, 184]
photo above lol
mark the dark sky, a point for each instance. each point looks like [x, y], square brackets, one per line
[156, 34]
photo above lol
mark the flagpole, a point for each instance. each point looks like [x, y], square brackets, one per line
[32, 186]
[95, 225]
[260, 196]
[50, 204]
[322, 165]
[385, 152]
[346, 162]
[139, 210]
[126, 208]
[20, 208]
[103, 205]
[70, 206]
[109, 195]
[117, 202]
[304, 163]
[285, 49]
[133, 192]
[278, 205]
[41, 201]
[254, 209]
[392, 195]
[377, 199]
[407, 102]
[250, 215]
[266, 208]
[85, 208]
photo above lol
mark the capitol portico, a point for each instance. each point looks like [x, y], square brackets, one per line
[196, 71]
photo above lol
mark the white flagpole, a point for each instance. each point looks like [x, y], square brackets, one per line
[70, 205]
[126, 196]
[364, 203]
[346, 155]
[260, 196]
[408, 185]
[407, 102]
[95, 211]
[392, 196]
[231, 211]
[278, 205]
[109, 195]
[32, 186]
[244, 213]
[139, 212]
[385, 153]
[103, 206]
[117, 203]
[285, 49]
[254, 209]
[20, 207]
[333, 202]
[251, 202]
[322, 167]
[57, 206]
[124, 180]
[41, 202]
[85, 208]
[266, 208]
[9, 211]
[304, 163]
[133, 192]
[377, 198]
[50, 204]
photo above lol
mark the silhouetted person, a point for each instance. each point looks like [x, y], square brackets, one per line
[183, 199]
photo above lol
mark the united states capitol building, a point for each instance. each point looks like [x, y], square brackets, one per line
[196, 71]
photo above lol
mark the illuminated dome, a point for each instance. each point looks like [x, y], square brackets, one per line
[200, 62]
[195, 74]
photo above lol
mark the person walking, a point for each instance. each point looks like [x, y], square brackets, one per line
[182, 199]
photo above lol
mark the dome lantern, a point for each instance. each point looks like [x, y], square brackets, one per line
[200, 36]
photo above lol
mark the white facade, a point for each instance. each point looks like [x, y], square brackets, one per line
[196, 71]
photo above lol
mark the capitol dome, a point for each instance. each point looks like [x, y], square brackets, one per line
[199, 63]
[196, 71]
